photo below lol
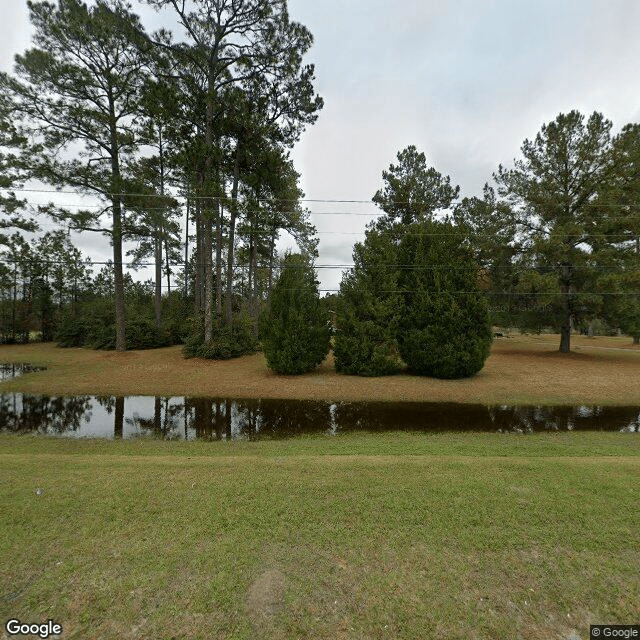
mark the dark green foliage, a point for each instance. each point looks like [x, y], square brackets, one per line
[368, 309]
[294, 328]
[444, 330]
[90, 321]
[228, 341]
[72, 331]
[142, 333]
[396, 303]
[619, 259]
[175, 313]
[413, 191]
[95, 328]
[622, 306]
[553, 192]
[489, 225]
[18, 332]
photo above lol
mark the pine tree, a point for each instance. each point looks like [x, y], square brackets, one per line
[234, 47]
[553, 192]
[78, 90]
[619, 250]
[294, 328]
[368, 309]
[444, 328]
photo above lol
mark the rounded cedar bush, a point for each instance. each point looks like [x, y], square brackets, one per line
[294, 328]
[444, 331]
[368, 309]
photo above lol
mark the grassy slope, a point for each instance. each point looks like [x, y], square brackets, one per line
[390, 536]
[523, 370]
[385, 536]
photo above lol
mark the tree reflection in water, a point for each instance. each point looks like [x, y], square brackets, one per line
[165, 421]
[532, 419]
[43, 414]
[11, 370]
[227, 419]
[279, 419]
[115, 405]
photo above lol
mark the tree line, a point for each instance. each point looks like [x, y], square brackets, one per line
[555, 243]
[137, 119]
[197, 125]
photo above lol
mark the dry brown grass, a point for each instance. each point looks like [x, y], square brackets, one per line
[521, 369]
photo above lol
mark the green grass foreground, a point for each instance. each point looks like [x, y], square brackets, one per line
[359, 536]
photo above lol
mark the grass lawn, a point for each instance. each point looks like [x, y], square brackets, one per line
[520, 370]
[360, 536]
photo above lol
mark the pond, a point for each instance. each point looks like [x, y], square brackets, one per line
[8, 371]
[232, 419]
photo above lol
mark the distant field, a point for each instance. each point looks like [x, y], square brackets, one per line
[481, 536]
[521, 369]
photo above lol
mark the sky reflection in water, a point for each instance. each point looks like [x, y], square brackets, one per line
[217, 419]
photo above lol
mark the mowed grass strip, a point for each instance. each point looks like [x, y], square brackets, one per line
[520, 370]
[322, 538]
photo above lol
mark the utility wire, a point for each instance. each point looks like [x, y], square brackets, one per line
[513, 294]
[272, 200]
[440, 266]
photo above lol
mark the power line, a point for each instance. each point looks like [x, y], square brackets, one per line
[274, 200]
[512, 294]
[407, 267]
[147, 209]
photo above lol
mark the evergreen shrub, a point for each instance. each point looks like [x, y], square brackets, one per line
[228, 342]
[369, 308]
[96, 328]
[294, 328]
[444, 330]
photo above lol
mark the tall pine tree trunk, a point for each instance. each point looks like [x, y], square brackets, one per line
[116, 200]
[198, 262]
[255, 298]
[186, 254]
[168, 263]
[158, 236]
[272, 246]
[15, 300]
[231, 238]
[118, 276]
[158, 278]
[207, 246]
[209, 208]
[219, 221]
[565, 290]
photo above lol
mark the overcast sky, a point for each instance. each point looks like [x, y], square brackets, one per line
[466, 81]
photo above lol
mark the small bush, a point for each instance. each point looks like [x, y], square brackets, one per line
[142, 333]
[72, 331]
[98, 331]
[294, 328]
[228, 342]
[364, 351]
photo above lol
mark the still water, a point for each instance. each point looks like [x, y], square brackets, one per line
[12, 370]
[231, 419]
